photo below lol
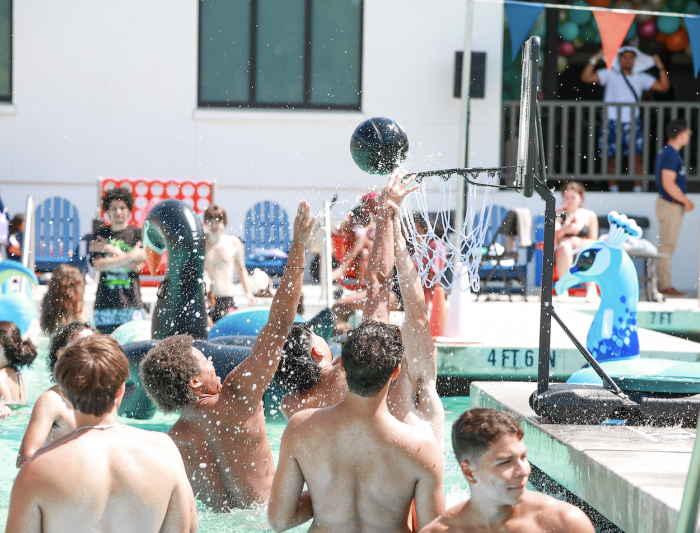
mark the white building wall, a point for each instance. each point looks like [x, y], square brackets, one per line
[110, 88]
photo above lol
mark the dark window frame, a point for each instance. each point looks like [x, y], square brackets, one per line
[3, 98]
[308, 28]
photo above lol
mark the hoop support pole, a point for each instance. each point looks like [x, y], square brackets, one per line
[463, 152]
[550, 214]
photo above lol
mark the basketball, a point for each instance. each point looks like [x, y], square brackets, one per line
[379, 146]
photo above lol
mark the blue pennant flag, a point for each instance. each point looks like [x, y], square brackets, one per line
[692, 24]
[521, 18]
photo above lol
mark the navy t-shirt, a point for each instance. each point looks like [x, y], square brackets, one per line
[669, 158]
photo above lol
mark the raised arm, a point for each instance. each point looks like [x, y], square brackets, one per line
[420, 396]
[420, 351]
[255, 373]
[381, 261]
[289, 505]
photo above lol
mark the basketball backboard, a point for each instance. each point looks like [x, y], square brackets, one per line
[527, 139]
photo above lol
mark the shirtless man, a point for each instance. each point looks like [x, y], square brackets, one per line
[223, 253]
[362, 467]
[221, 431]
[52, 416]
[103, 476]
[307, 368]
[492, 455]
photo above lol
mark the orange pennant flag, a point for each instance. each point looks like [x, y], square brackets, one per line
[613, 28]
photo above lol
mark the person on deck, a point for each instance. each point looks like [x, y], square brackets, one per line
[221, 430]
[492, 456]
[52, 415]
[579, 229]
[624, 84]
[672, 202]
[104, 476]
[224, 252]
[116, 253]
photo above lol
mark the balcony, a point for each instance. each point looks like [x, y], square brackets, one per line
[571, 136]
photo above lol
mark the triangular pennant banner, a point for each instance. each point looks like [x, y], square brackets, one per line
[692, 24]
[613, 28]
[521, 18]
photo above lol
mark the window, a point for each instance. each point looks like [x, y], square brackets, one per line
[5, 50]
[280, 53]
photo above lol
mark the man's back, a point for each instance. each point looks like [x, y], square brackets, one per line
[363, 472]
[230, 440]
[113, 479]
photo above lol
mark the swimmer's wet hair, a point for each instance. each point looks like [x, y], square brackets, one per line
[119, 193]
[166, 371]
[18, 352]
[298, 371]
[477, 428]
[61, 338]
[90, 372]
[370, 355]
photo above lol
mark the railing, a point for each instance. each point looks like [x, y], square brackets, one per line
[572, 132]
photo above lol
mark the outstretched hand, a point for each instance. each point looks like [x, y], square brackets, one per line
[397, 188]
[304, 224]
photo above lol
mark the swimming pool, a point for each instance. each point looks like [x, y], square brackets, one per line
[38, 380]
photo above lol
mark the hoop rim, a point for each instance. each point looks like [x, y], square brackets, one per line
[468, 173]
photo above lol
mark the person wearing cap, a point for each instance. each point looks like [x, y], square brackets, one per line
[624, 84]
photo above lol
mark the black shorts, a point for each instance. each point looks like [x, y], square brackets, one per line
[222, 306]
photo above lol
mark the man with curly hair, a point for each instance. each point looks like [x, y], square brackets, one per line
[103, 476]
[221, 432]
[116, 253]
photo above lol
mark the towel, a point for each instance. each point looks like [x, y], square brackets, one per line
[642, 62]
[524, 226]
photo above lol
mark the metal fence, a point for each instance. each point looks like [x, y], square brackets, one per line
[576, 139]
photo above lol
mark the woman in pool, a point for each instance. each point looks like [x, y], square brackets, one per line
[63, 302]
[580, 228]
[14, 354]
[52, 415]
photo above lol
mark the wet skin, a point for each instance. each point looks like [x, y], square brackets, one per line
[222, 436]
[109, 480]
[362, 468]
[501, 503]
[52, 416]
[225, 432]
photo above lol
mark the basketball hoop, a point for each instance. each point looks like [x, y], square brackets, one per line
[449, 252]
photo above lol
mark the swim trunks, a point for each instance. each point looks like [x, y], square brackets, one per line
[223, 306]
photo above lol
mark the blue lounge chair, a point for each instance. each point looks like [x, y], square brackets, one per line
[58, 236]
[266, 228]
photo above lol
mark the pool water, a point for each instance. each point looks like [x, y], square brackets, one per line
[38, 380]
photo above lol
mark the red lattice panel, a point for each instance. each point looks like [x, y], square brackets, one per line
[150, 191]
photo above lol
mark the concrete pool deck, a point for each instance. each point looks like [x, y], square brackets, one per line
[633, 475]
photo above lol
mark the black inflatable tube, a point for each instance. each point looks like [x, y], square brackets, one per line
[589, 404]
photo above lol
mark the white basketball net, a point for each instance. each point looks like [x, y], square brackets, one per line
[460, 248]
